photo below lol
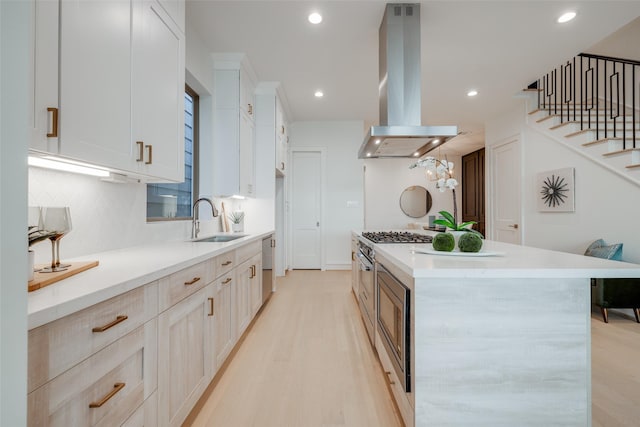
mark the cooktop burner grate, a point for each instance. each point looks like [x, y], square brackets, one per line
[396, 237]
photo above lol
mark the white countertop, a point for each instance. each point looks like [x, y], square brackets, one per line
[120, 271]
[517, 261]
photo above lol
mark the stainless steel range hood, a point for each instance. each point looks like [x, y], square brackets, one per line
[400, 133]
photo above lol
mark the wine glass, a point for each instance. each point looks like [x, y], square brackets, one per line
[58, 221]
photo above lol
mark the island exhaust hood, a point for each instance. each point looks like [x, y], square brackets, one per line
[400, 133]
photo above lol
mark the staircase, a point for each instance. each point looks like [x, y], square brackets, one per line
[591, 104]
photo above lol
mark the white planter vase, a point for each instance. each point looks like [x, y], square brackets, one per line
[236, 228]
[31, 258]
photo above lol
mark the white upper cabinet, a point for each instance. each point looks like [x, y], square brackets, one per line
[43, 114]
[112, 74]
[95, 82]
[158, 93]
[234, 128]
[282, 139]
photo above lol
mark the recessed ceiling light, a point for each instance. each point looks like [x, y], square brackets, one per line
[319, 94]
[315, 18]
[416, 154]
[472, 93]
[378, 141]
[435, 141]
[368, 154]
[566, 17]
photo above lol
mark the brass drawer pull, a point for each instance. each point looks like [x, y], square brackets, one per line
[389, 379]
[226, 281]
[116, 388]
[140, 151]
[110, 325]
[211, 305]
[253, 271]
[54, 122]
[224, 264]
[150, 150]
[192, 281]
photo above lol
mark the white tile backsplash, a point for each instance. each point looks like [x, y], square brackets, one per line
[104, 215]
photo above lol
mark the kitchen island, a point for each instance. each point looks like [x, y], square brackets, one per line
[501, 340]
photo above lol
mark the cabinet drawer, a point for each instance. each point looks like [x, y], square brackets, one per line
[105, 389]
[247, 251]
[146, 415]
[59, 345]
[183, 283]
[224, 263]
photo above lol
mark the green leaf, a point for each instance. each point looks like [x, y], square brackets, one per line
[448, 217]
[465, 224]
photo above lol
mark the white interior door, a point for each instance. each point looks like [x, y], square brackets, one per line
[306, 199]
[506, 186]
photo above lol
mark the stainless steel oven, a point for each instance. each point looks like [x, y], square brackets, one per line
[394, 325]
[366, 294]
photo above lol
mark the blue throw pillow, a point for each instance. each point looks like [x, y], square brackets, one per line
[600, 249]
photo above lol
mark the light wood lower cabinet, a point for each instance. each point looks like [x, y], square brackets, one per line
[185, 355]
[225, 316]
[243, 303]
[255, 291]
[103, 390]
[144, 358]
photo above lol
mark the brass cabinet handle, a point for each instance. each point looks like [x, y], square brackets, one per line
[226, 281]
[54, 122]
[192, 281]
[150, 152]
[224, 264]
[273, 243]
[250, 109]
[211, 305]
[140, 145]
[116, 388]
[282, 165]
[253, 271]
[110, 325]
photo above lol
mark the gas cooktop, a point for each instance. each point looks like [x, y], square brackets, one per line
[396, 237]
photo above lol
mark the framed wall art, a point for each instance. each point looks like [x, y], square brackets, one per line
[555, 190]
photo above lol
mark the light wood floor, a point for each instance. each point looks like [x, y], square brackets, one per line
[615, 361]
[306, 362]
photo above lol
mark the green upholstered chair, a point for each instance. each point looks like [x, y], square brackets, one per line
[613, 293]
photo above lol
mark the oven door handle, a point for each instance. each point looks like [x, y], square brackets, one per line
[365, 264]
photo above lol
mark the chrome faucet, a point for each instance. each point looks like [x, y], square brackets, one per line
[195, 226]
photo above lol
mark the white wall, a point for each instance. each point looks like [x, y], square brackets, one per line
[15, 32]
[606, 204]
[386, 179]
[343, 183]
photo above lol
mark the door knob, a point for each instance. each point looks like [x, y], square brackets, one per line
[513, 226]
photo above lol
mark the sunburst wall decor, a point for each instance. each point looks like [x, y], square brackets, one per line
[555, 190]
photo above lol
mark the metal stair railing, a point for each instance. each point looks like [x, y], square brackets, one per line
[573, 92]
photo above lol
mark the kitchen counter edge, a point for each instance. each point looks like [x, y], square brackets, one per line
[121, 271]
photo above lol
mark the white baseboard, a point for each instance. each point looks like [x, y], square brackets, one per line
[338, 266]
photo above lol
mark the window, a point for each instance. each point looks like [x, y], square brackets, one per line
[174, 201]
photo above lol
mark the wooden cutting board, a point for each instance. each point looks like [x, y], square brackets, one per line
[40, 280]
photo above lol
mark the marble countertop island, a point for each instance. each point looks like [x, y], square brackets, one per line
[501, 340]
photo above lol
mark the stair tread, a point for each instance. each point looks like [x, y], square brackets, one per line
[636, 166]
[628, 127]
[618, 152]
[629, 133]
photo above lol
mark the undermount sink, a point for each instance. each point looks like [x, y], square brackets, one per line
[222, 238]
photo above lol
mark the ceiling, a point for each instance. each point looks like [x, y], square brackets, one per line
[495, 47]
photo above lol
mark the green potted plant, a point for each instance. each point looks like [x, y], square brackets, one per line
[236, 218]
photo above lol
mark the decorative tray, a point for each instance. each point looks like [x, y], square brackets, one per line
[458, 253]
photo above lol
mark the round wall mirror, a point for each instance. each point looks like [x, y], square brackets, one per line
[415, 201]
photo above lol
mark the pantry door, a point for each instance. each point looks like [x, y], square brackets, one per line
[306, 209]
